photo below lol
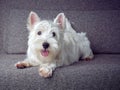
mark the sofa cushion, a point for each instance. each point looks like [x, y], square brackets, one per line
[102, 27]
[102, 73]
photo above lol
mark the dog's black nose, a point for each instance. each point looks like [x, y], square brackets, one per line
[45, 45]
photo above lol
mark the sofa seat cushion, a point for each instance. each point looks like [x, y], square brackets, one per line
[102, 73]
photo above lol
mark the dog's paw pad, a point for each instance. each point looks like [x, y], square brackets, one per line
[21, 65]
[45, 72]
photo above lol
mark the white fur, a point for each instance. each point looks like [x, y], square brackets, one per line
[65, 48]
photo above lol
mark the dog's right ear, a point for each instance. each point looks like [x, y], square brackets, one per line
[32, 20]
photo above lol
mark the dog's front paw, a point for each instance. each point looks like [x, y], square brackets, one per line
[21, 65]
[45, 72]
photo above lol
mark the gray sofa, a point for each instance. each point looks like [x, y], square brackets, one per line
[99, 18]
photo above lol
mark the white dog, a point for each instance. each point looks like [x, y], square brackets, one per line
[53, 43]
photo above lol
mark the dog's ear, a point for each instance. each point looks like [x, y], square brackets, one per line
[32, 20]
[60, 20]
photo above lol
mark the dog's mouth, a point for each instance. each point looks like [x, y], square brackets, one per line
[44, 53]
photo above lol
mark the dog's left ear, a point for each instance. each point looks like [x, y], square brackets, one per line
[60, 20]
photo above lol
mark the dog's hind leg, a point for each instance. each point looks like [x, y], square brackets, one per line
[85, 50]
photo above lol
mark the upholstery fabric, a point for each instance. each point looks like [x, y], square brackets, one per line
[103, 73]
[99, 18]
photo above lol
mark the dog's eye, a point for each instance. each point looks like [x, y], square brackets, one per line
[39, 33]
[54, 34]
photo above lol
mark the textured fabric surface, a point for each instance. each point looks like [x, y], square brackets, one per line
[99, 18]
[102, 27]
[103, 73]
[1, 33]
[62, 4]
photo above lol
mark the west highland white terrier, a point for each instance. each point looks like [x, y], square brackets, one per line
[53, 43]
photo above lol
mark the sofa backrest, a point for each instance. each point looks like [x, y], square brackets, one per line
[99, 18]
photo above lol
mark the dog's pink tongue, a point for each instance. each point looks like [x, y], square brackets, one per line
[45, 53]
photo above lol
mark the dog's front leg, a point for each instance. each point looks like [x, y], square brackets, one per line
[26, 63]
[46, 70]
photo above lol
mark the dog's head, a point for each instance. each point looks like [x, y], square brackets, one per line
[45, 37]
